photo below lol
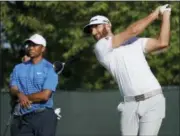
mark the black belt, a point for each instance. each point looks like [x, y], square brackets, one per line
[35, 111]
[39, 110]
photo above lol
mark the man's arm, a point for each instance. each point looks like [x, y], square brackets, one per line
[134, 29]
[48, 88]
[21, 98]
[42, 96]
[163, 40]
[13, 97]
[35, 97]
[14, 91]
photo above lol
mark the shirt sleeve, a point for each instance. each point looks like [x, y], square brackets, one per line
[51, 80]
[102, 48]
[13, 78]
[143, 42]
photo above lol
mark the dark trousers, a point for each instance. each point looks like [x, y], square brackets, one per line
[15, 125]
[35, 124]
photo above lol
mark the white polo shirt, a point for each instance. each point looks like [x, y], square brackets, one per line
[128, 66]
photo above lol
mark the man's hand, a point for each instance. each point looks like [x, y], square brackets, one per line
[161, 9]
[157, 12]
[164, 8]
[23, 100]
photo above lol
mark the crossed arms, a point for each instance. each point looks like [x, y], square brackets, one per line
[43, 95]
[26, 100]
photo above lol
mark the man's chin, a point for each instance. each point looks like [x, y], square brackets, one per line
[32, 56]
[98, 38]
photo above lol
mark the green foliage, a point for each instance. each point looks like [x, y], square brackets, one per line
[61, 23]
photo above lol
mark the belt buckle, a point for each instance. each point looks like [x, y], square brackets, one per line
[140, 97]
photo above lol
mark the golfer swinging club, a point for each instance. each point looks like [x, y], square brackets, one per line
[143, 107]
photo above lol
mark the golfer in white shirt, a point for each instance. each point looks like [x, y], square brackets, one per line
[143, 107]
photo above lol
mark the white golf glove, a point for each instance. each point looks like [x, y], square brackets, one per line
[164, 8]
[57, 111]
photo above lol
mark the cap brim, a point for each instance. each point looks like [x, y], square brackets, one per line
[86, 29]
[28, 40]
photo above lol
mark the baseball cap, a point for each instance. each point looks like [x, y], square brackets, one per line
[99, 19]
[37, 39]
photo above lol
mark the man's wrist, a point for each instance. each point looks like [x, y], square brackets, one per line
[28, 96]
[18, 94]
[166, 16]
[167, 13]
[154, 15]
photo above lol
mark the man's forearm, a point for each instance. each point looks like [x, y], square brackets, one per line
[40, 96]
[134, 29]
[165, 29]
[139, 26]
[14, 91]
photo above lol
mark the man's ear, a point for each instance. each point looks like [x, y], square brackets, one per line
[108, 27]
[43, 49]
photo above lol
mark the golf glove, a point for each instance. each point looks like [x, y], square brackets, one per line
[57, 111]
[165, 7]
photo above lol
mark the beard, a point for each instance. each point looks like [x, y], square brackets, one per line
[101, 34]
[104, 32]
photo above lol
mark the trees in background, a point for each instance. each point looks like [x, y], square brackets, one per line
[61, 23]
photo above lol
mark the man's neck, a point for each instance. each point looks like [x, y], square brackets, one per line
[107, 35]
[36, 60]
[110, 34]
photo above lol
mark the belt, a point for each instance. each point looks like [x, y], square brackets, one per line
[142, 97]
[35, 111]
[39, 110]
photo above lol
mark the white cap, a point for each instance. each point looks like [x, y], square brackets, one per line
[96, 20]
[37, 39]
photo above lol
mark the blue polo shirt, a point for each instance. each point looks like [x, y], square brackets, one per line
[33, 78]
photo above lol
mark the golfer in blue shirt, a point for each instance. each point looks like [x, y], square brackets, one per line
[33, 83]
